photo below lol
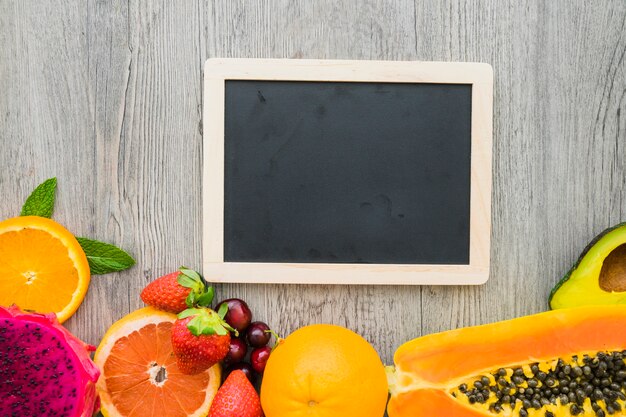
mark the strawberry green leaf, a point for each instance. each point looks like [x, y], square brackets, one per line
[186, 281]
[191, 274]
[189, 312]
[41, 200]
[198, 326]
[223, 310]
[205, 322]
[103, 257]
[191, 299]
[205, 299]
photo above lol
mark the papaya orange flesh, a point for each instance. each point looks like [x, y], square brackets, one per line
[559, 363]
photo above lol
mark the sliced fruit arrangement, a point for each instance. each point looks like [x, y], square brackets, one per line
[36, 350]
[43, 267]
[565, 362]
[140, 376]
[325, 370]
[599, 275]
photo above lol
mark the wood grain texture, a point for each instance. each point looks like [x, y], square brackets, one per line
[107, 96]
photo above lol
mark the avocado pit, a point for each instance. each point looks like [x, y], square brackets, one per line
[613, 272]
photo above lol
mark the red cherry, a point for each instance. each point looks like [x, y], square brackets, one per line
[239, 315]
[259, 357]
[237, 351]
[242, 366]
[258, 334]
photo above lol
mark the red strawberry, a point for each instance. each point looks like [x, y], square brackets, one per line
[177, 291]
[200, 339]
[236, 397]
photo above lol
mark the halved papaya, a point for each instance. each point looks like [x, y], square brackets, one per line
[560, 363]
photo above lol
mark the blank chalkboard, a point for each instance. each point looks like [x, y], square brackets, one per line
[347, 172]
[331, 177]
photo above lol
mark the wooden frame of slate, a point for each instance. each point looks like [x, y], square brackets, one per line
[217, 74]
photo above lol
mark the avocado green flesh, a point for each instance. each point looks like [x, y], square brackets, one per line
[582, 284]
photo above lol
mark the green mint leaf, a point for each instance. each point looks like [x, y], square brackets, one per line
[103, 257]
[206, 298]
[41, 201]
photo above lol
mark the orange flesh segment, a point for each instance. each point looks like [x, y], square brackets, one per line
[444, 357]
[30, 277]
[430, 403]
[130, 385]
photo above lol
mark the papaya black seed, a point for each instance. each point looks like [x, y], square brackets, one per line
[506, 399]
[478, 385]
[518, 372]
[532, 382]
[523, 413]
[574, 410]
[597, 395]
[534, 368]
[550, 382]
[549, 414]
[472, 399]
[610, 409]
[577, 371]
[536, 404]
[564, 399]
[501, 372]
[517, 380]
[485, 381]
[463, 388]
[526, 403]
[600, 413]
[541, 376]
[586, 370]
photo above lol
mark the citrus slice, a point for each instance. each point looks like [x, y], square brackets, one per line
[140, 377]
[42, 267]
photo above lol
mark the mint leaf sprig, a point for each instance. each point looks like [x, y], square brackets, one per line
[103, 258]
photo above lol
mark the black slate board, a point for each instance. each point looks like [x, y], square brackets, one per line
[343, 172]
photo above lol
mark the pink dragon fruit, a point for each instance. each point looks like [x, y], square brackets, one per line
[44, 369]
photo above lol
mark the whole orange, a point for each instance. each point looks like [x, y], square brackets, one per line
[324, 370]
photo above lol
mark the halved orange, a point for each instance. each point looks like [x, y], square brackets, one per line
[42, 267]
[140, 377]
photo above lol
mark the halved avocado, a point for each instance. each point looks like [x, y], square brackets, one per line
[599, 275]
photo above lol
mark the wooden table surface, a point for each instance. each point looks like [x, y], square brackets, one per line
[107, 96]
